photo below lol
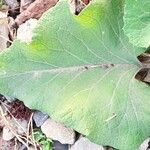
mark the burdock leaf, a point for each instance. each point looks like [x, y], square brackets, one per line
[137, 22]
[80, 70]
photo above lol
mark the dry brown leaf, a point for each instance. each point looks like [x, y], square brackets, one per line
[24, 4]
[35, 10]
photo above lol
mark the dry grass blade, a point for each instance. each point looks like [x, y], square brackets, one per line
[27, 140]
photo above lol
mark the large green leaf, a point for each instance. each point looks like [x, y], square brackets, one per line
[80, 70]
[137, 22]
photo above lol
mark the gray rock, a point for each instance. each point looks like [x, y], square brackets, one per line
[58, 132]
[144, 145]
[58, 146]
[39, 118]
[85, 144]
[7, 134]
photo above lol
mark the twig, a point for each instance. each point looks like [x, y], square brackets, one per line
[6, 39]
[8, 125]
[17, 136]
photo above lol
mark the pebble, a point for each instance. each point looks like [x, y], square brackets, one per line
[25, 30]
[22, 126]
[58, 146]
[7, 134]
[85, 144]
[57, 131]
[39, 118]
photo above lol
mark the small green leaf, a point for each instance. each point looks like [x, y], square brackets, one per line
[80, 70]
[40, 138]
[137, 22]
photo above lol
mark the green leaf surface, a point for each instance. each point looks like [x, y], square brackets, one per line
[137, 22]
[80, 70]
[42, 140]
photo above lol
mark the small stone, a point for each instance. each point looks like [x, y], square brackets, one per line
[22, 126]
[39, 118]
[58, 132]
[7, 134]
[58, 146]
[145, 145]
[85, 144]
[24, 32]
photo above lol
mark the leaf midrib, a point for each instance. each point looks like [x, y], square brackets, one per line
[68, 69]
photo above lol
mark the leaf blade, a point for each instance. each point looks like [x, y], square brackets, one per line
[137, 24]
[55, 72]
